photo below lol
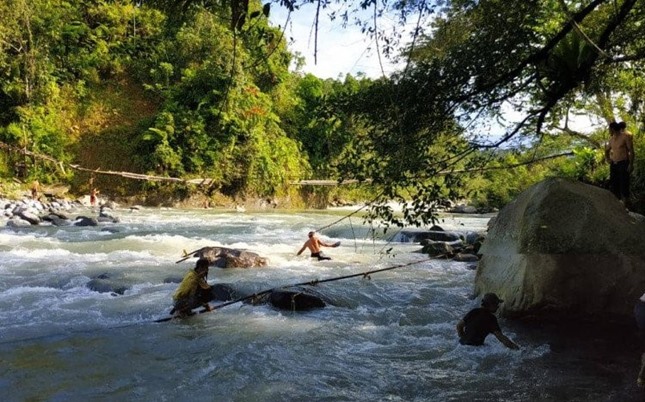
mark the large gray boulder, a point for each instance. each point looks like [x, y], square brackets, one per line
[564, 248]
[28, 216]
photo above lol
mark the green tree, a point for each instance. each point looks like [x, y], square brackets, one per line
[542, 59]
[219, 119]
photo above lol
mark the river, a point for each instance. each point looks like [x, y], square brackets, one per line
[389, 337]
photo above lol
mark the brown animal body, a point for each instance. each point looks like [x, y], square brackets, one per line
[223, 257]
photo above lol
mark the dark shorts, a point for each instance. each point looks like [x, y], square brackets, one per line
[619, 179]
[320, 256]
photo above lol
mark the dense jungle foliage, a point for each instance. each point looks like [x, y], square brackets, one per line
[194, 89]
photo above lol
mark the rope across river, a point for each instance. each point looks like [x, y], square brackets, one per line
[314, 282]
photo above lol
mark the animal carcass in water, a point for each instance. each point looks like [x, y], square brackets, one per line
[223, 257]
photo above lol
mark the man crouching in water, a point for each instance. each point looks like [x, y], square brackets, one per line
[481, 321]
[314, 244]
[193, 291]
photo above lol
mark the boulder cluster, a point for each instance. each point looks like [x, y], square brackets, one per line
[29, 212]
[452, 245]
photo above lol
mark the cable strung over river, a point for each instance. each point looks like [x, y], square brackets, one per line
[78, 306]
[314, 282]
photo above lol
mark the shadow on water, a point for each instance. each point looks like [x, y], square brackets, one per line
[588, 361]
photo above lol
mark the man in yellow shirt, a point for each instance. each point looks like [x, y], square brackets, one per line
[193, 291]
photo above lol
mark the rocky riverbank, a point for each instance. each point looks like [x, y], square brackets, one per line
[28, 212]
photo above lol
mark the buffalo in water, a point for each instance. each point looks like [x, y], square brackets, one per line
[291, 298]
[223, 257]
[301, 298]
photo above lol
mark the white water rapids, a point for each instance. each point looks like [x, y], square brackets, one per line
[387, 338]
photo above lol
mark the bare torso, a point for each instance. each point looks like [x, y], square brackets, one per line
[313, 245]
[619, 147]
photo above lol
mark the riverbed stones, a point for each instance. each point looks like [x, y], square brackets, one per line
[564, 248]
[50, 212]
[56, 220]
[86, 221]
[437, 248]
[106, 215]
[17, 222]
[417, 236]
[28, 216]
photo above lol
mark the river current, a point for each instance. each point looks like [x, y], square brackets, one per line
[387, 337]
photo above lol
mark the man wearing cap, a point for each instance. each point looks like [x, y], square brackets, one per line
[481, 321]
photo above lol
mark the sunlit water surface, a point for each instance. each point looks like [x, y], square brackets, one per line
[387, 338]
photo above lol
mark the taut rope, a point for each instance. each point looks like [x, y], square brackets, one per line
[310, 283]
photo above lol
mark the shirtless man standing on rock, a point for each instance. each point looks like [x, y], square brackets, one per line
[619, 153]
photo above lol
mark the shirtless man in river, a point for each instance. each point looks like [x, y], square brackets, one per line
[619, 153]
[314, 244]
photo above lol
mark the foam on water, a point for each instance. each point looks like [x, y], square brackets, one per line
[389, 336]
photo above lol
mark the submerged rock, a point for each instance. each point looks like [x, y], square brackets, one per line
[56, 220]
[223, 292]
[564, 248]
[105, 285]
[105, 215]
[85, 221]
[173, 279]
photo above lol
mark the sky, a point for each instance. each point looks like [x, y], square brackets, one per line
[346, 50]
[340, 51]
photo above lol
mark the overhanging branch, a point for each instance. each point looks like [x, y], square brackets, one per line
[127, 175]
